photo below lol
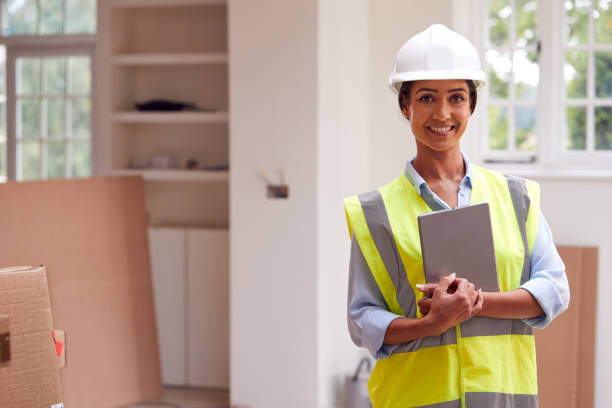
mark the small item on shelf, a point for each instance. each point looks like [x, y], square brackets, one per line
[163, 162]
[216, 167]
[165, 105]
[192, 164]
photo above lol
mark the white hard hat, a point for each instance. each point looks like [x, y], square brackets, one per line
[437, 53]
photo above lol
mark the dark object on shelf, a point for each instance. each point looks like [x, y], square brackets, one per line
[191, 164]
[165, 105]
[278, 191]
[216, 167]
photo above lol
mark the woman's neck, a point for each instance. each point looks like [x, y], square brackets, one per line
[438, 166]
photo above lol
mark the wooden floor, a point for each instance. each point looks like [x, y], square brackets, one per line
[175, 397]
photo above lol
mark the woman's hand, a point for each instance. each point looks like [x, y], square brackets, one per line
[454, 301]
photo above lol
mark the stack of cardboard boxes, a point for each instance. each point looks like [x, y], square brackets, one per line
[29, 366]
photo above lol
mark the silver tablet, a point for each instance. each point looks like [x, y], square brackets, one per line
[459, 240]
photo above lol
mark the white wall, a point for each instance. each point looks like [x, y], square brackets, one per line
[342, 171]
[298, 95]
[273, 105]
[579, 213]
[392, 23]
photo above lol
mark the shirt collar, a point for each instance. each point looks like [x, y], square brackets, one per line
[417, 181]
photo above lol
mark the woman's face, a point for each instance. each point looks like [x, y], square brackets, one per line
[438, 111]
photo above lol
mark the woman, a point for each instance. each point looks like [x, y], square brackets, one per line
[458, 347]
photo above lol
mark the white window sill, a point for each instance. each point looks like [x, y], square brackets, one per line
[537, 171]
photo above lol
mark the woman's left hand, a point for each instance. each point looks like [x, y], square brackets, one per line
[425, 302]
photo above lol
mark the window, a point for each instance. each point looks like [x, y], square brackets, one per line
[47, 101]
[548, 100]
[513, 75]
[43, 17]
[588, 75]
[53, 111]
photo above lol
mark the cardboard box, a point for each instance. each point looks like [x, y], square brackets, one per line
[92, 236]
[29, 372]
[566, 348]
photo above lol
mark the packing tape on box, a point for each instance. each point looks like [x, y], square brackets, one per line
[5, 340]
[59, 338]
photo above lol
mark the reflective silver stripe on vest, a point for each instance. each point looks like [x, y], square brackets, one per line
[446, 338]
[448, 404]
[499, 400]
[487, 326]
[378, 223]
[521, 202]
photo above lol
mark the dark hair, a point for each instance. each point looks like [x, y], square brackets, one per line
[404, 94]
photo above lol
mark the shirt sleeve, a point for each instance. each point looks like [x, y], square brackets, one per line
[367, 314]
[548, 281]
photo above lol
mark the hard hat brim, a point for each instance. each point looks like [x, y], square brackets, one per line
[396, 80]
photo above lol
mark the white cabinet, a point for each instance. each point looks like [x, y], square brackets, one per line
[191, 283]
[208, 307]
[168, 264]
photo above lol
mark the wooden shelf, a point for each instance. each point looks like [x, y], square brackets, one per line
[170, 117]
[176, 175]
[170, 59]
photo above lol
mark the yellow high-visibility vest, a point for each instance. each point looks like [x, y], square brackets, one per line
[482, 362]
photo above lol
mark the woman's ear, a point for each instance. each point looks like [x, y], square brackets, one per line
[406, 110]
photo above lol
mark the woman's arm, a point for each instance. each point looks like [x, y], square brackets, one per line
[513, 304]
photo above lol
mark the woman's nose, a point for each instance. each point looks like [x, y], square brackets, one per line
[442, 111]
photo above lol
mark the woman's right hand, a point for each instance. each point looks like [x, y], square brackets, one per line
[454, 300]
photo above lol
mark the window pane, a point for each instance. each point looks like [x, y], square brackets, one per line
[3, 160]
[55, 75]
[526, 22]
[56, 111]
[21, 17]
[28, 125]
[2, 70]
[81, 16]
[2, 122]
[81, 114]
[524, 123]
[500, 66]
[51, 18]
[575, 121]
[575, 73]
[81, 159]
[56, 160]
[28, 76]
[603, 128]
[500, 13]
[603, 21]
[526, 74]
[30, 161]
[80, 75]
[603, 74]
[498, 128]
[577, 21]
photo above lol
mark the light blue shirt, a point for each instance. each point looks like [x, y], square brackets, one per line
[368, 317]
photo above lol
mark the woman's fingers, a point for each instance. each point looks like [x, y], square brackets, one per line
[445, 282]
[424, 305]
[427, 288]
[478, 305]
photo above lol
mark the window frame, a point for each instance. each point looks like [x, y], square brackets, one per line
[18, 46]
[552, 157]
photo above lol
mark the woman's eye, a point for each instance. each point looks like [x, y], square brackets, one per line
[426, 98]
[457, 98]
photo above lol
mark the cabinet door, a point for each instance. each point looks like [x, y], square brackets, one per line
[208, 308]
[167, 248]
